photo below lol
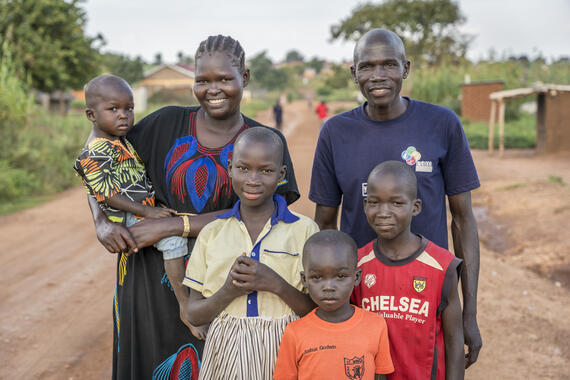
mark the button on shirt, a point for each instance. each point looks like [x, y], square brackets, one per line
[279, 246]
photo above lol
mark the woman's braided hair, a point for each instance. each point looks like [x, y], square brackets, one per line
[223, 44]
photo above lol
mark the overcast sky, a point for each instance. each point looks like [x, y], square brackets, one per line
[142, 27]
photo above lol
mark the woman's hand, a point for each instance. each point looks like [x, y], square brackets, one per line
[115, 237]
[249, 274]
[149, 231]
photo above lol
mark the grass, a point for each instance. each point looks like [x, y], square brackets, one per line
[556, 180]
[252, 107]
[20, 204]
[512, 186]
[519, 133]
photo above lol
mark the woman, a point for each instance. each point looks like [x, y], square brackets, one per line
[185, 150]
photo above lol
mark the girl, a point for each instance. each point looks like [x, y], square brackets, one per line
[244, 271]
[185, 151]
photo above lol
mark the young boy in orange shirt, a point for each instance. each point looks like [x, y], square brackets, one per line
[336, 340]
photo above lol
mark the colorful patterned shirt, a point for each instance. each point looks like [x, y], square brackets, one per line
[110, 167]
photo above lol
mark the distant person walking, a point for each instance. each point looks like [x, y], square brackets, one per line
[278, 114]
[322, 111]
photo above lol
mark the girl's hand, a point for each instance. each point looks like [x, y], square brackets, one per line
[229, 287]
[249, 274]
[158, 212]
[199, 332]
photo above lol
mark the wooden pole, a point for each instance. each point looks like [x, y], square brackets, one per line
[501, 127]
[492, 126]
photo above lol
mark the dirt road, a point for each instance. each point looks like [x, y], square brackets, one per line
[57, 284]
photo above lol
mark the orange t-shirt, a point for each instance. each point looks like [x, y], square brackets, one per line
[315, 349]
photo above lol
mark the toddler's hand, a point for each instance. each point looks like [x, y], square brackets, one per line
[158, 212]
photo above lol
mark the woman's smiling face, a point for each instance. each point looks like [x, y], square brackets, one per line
[219, 85]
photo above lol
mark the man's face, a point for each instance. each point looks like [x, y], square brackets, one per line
[379, 70]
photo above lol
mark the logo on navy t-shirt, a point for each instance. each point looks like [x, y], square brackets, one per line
[412, 157]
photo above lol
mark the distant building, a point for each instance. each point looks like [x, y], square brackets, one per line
[175, 79]
[57, 101]
[309, 73]
[552, 116]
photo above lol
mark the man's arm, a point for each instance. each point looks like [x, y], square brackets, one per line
[453, 334]
[326, 217]
[466, 247]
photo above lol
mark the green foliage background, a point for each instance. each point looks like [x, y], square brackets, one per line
[48, 42]
[36, 148]
[429, 28]
[44, 47]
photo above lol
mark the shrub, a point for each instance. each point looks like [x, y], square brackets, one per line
[15, 102]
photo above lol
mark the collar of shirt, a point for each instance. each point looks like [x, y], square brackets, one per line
[281, 212]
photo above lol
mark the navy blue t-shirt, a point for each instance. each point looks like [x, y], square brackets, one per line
[429, 138]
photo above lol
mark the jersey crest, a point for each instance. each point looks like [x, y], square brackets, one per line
[370, 280]
[354, 368]
[419, 284]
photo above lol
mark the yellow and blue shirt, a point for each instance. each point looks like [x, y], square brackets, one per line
[279, 246]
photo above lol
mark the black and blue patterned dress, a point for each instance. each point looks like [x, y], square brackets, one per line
[150, 341]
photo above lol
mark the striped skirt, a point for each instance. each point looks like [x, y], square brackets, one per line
[242, 348]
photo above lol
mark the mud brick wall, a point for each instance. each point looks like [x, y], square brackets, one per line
[553, 122]
[475, 102]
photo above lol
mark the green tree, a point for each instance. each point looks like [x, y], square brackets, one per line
[157, 59]
[48, 41]
[315, 63]
[429, 28]
[265, 75]
[184, 59]
[294, 56]
[340, 79]
[131, 70]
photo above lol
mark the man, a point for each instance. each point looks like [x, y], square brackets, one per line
[390, 127]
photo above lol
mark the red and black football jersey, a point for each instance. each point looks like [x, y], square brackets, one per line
[410, 294]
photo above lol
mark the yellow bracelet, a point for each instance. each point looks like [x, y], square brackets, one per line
[186, 221]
